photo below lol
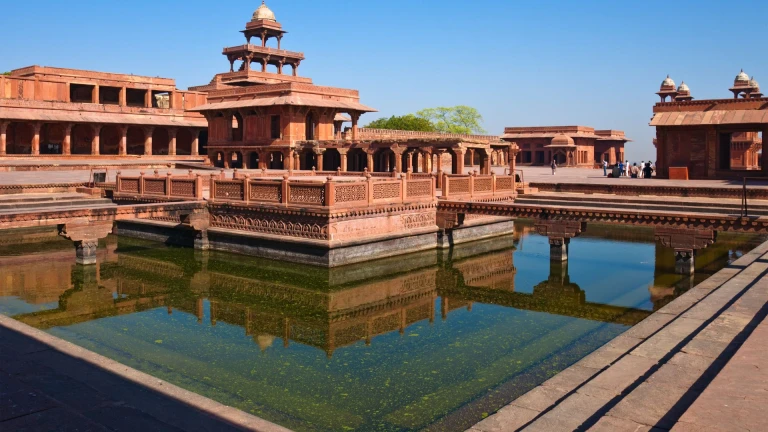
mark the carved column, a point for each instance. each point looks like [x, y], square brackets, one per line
[172, 142]
[66, 144]
[560, 233]
[3, 136]
[86, 237]
[459, 162]
[122, 99]
[369, 159]
[36, 138]
[408, 161]
[513, 149]
[398, 158]
[343, 153]
[95, 140]
[148, 98]
[195, 142]
[319, 158]
[95, 94]
[123, 149]
[355, 119]
[685, 242]
[148, 140]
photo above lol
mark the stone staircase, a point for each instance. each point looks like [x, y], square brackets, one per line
[660, 204]
[31, 203]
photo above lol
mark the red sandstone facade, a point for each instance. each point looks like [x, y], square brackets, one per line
[573, 146]
[55, 111]
[714, 138]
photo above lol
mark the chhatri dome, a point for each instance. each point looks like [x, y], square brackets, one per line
[753, 83]
[741, 77]
[562, 140]
[668, 82]
[264, 13]
[683, 88]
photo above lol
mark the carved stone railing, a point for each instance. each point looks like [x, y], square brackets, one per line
[372, 133]
[157, 186]
[329, 193]
[477, 186]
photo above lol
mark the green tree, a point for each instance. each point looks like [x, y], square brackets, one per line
[460, 119]
[6, 73]
[407, 122]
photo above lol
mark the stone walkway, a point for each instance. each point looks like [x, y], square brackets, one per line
[678, 369]
[48, 384]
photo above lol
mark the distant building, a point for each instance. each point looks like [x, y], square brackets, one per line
[712, 138]
[573, 146]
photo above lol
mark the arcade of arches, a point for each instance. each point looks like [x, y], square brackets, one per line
[40, 138]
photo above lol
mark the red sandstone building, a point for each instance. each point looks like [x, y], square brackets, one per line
[712, 138]
[55, 111]
[570, 146]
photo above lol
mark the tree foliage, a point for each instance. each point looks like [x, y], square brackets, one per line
[407, 122]
[460, 119]
[6, 73]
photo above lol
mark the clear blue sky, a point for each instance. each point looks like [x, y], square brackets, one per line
[595, 63]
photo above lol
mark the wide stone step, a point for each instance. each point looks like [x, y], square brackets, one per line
[756, 204]
[46, 197]
[70, 207]
[49, 205]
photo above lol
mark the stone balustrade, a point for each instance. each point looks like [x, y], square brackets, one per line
[158, 186]
[477, 187]
[329, 193]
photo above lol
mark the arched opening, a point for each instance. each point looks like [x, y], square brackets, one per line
[307, 160]
[19, 138]
[82, 137]
[357, 160]
[237, 127]
[384, 161]
[184, 138]
[135, 141]
[109, 140]
[236, 160]
[51, 138]
[309, 126]
[276, 160]
[160, 141]
[218, 160]
[253, 160]
[331, 160]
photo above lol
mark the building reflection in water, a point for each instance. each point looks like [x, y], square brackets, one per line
[323, 308]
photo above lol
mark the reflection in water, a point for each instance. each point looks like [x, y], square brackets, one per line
[362, 347]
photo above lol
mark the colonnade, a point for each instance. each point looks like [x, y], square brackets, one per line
[25, 138]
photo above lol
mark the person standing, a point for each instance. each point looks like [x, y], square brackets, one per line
[626, 168]
[621, 168]
[554, 166]
[647, 171]
[605, 168]
[634, 171]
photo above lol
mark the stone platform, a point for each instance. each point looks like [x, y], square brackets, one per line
[686, 367]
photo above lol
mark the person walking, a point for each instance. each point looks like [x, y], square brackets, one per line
[554, 166]
[605, 168]
[621, 168]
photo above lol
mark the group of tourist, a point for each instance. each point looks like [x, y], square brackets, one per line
[624, 169]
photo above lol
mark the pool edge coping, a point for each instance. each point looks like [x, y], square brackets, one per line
[197, 401]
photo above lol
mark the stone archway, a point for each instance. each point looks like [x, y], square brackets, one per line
[218, 159]
[275, 160]
[109, 140]
[52, 138]
[135, 141]
[160, 141]
[236, 160]
[19, 138]
[331, 160]
[82, 137]
[357, 160]
[184, 138]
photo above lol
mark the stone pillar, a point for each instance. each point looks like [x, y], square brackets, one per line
[172, 142]
[343, 153]
[199, 223]
[122, 98]
[195, 142]
[3, 136]
[86, 237]
[398, 159]
[685, 242]
[764, 161]
[36, 138]
[123, 148]
[95, 140]
[66, 144]
[485, 162]
[95, 94]
[512, 156]
[355, 119]
[560, 233]
[319, 159]
[459, 163]
[408, 161]
[148, 98]
[558, 249]
[369, 159]
[148, 140]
